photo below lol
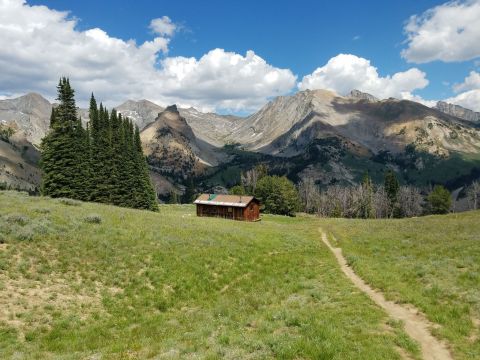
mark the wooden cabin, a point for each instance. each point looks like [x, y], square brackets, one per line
[235, 207]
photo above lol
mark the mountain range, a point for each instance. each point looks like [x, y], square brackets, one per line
[313, 133]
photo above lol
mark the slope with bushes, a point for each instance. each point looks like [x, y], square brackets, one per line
[82, 280]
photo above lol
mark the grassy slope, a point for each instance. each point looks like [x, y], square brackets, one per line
[171, 285]
[432, 262]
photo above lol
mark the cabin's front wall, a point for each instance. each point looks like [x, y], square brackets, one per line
[249, 213]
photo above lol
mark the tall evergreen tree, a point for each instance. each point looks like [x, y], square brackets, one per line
[391, 188]
[103, 162]
[147, 198]
[59, 160]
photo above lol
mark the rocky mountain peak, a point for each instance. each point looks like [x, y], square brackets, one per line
[458, 111]
[357, 94]
[172, 108]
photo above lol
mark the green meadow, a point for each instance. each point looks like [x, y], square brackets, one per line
[432, 262]
[89, 281]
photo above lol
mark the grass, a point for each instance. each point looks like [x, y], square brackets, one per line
[132, 284]
[431, 262]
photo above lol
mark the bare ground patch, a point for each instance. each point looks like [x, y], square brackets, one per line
[26, 304]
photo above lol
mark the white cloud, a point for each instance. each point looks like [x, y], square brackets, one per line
[163, 26]
[448, 32]
[469, 92]
[471, 82]
[345, 72]
[39, 45]
[468, 99]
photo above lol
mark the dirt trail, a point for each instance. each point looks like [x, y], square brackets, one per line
[416, 325]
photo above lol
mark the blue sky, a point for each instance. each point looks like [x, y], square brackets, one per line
[299, 36]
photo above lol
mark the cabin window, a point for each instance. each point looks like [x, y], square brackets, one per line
[229, 209]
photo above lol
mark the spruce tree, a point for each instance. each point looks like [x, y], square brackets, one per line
[95, 149]
[59, 160]
[146, 196]
[391, 188]
[103, 162]
[81, 185]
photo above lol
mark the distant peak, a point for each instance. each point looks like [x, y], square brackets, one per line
[172, 108]
[357, 94]
[457, 111]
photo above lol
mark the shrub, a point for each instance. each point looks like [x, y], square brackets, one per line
[237, 190]
[42, 210]
[24, 234]
[69, 202]
[93, 219]
[278, 195]
[17, 219]
[439, 200]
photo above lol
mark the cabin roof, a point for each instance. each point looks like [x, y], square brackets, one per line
[224, 200]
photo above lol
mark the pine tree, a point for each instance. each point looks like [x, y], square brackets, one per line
[59, 160]
[102, 163]
[81, 185]
[52, 118]
[391, 188]
[146, 198]
[104, 158]
[118, 195]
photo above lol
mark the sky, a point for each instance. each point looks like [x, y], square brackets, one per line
[234, 56]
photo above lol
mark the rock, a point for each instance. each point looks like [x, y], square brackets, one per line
[458, 111]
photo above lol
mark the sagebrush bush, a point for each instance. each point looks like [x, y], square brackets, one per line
[93, 219]
[69, 202]
[23, 233]
[42, 210]
[19, 219]
[42, 227]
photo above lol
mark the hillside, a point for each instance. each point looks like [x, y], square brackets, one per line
[87, 280]
[171, 285]
[432, 262]
[19, 163]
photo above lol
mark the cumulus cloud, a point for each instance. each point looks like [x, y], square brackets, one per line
[468, 99]
[468, 92]
[448, 32]
[163, 26]
[345, 72]
[471, 82]
[237, 81]
[40, 44]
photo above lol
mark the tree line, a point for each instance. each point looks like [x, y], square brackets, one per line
[102, 162]
[367, 200]
[279, 195]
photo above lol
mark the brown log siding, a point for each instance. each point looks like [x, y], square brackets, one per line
[249, 213]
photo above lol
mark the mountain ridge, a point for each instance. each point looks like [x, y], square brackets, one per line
[312, 133]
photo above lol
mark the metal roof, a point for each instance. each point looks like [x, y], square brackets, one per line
[224, 200]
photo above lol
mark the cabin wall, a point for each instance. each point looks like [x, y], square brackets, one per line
[249, 213]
